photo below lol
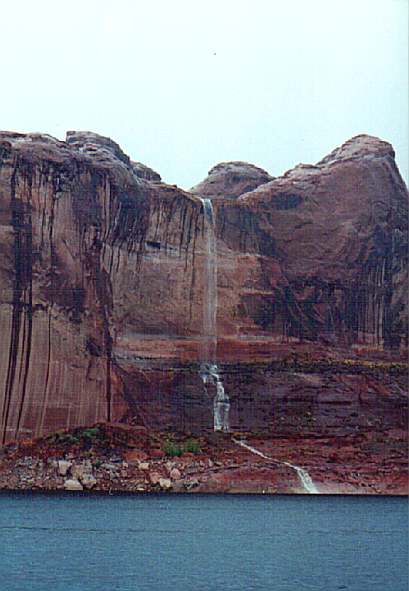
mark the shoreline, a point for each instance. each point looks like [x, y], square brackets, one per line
[163, 494]
[121, 459]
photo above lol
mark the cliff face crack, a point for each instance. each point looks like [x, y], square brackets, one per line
[22, 299]
[29, 334]
[209, 371]
[40, 425]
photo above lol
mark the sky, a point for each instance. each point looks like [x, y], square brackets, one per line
[182, 84]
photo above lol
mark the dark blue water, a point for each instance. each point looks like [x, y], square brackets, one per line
[203, 543]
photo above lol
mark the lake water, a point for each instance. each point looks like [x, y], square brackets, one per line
[203, 543]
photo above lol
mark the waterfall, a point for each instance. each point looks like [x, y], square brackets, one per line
[303, 475]
[209, 371]
[306, 480]
[210, 287]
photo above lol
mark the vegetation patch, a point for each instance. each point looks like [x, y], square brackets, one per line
[173, 449]
[85, 437]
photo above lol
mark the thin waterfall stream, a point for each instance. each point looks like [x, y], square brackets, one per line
[303, 475]
[209, 370]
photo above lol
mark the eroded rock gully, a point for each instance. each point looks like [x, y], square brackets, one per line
[101, 301]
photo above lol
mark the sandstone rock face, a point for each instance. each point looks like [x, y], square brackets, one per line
[106, 150]
[332, 266]
[102, 270]
[229, 180]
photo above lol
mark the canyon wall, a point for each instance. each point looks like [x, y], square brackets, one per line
[102, 285]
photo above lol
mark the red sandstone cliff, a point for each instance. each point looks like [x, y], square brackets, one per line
[101, 275]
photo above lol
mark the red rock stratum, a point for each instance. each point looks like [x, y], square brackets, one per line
[102, 282]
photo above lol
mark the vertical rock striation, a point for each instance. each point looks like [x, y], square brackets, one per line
[102, 270]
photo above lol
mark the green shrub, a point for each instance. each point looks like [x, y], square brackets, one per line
[87, 436]
[66, 438]
[175, 450]
[192, 446]
[172, 449]
[92, 433]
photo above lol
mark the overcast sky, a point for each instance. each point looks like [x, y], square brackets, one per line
[184, 84]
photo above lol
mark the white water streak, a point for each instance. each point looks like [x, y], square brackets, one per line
[303, 475]
[210, 286]
[209, 370]
[221, 403]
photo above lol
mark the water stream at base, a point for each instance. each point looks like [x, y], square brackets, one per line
[209, 370]
[303, 475]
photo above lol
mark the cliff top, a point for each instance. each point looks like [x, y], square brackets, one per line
[227, 180]
[82, 146]
[231, 179]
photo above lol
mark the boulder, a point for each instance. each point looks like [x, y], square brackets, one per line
[191, 483]
[88, 481]
[175, 474]
[63, 467]
[135, 455]
[165, 483]
[155, 477]
[73, 484]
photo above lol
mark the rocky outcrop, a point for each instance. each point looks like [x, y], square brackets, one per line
[331, 265]
[102, 271]
[229, 180]
[106, 151]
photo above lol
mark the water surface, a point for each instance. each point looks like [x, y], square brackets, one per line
[203, 543]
